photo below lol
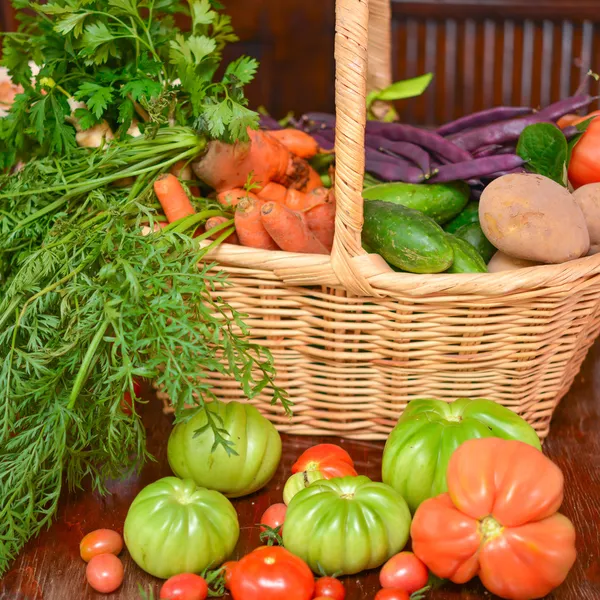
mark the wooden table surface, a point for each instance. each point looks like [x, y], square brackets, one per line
[50, 568]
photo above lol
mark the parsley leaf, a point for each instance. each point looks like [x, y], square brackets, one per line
[97, 97]
[241, 70]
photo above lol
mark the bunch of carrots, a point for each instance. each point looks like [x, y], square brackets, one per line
[277, 199]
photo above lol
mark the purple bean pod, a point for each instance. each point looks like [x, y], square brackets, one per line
[487, 151]
[476, 168]
[324, 142]
[391, 169]
[399, 132]
[320, 118]
[484, 117]
[412, 152]
[509, 131]
[269, 123]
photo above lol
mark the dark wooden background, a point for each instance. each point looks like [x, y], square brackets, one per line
[483, 52]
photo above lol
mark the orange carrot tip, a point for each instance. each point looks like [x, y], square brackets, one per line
[233, 196]
[215, 225]
[172, 197]
[249, 227]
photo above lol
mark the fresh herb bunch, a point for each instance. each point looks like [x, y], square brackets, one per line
[124, 59]
[88, 303]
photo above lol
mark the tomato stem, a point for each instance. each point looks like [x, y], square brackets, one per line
[490, 528]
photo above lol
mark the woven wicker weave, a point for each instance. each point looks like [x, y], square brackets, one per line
[354, 341]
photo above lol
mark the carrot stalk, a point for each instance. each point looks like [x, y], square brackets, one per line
[249, 226]
[289, 229]
[172, 198]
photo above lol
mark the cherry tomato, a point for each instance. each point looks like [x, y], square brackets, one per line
[127, 402]
[330, 587]
[137, 388]
[228, 568]
[101, 541]
[392, 594]
[274, 517]
[272, 573]
[404, 571]
[104, 573]
[185, 586]
[331, 460]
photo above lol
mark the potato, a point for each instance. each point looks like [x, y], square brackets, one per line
[588, 198]
[503, 262]
[534, 218]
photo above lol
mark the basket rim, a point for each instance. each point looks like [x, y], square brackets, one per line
[304, 270]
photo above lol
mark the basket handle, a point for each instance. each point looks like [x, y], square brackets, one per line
[351, 41]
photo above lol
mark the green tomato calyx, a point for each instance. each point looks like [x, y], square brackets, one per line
[490, 528]
[347, 496]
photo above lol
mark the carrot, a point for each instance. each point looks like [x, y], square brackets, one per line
[172, 197]
[249, 226]
[301, 176]
[182, 170]
[214, 222]
[289, 229]
[274, 192]
[233, 196]
[297, 142]
[321, 221]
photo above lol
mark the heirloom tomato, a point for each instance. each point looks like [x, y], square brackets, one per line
[346, 525]
[255, 440]
[584, 165]
[173, 526]
[498, 520]
[329, 459]
[416, 454]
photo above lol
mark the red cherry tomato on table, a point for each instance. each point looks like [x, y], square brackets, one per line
[228, 569]
[272, 573]
[330, 587]
[404, 571]
[391, 594]
[274, 517]
[185, 586]
[101, 541]
[330, 459]
[104, 573]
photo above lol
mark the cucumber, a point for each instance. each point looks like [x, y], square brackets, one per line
[469, 214]
[440, 201]
[473, 234]
[406, 238]
[466, 257]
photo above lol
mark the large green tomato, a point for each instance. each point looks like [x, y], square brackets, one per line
[255, 440]
[346, 525]
[417, 452]
[174, 526]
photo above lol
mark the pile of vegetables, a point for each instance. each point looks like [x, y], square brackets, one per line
[466, 480]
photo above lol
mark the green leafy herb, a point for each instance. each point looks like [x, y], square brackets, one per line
[400, 90]
[545, 149]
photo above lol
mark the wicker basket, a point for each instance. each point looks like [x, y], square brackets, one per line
[354, 341]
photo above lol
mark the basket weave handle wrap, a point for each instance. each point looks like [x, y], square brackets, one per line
[379, 73]
[351, 39]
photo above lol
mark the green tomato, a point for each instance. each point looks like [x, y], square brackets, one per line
[416, 455]
[256, 443]
[173, 526]
[299, 481]
[346, 525]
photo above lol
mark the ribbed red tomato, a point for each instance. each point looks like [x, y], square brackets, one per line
[499, 521]
[330, 459]
[272, 573]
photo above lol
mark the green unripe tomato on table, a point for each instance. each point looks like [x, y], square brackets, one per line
[346, 525]
[173, 526]
[416, 454]
[299, 481]
[256, 443]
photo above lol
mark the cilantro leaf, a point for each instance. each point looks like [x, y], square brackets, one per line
[243, 70]
[192, 51]
[86, 118]
[38, 118]
[241, 119]
[96, 97]
[126, 6]
[72, 22]
[98, 43]
[202, 14]
[141, 88]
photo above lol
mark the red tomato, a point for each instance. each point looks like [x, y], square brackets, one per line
[101, 541]
[127, 402]
[498, 521]
[272, 573]
[273, 517]
[330, 459]
[584, 166]
[392, 594]
[104, 573]
[228, 569]
[137, 388]
[330, 587]
[404, 572]
[185, 586]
